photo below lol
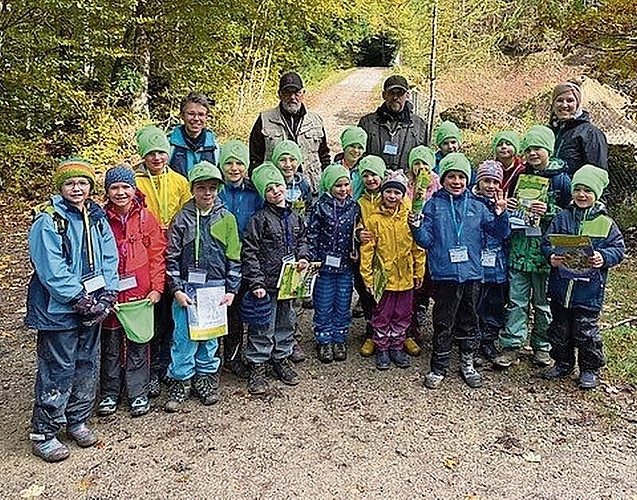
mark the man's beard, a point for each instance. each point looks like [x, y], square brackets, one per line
[291, 108]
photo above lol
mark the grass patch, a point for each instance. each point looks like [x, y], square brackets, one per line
[620, 342]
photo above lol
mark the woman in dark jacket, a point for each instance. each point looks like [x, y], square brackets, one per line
[577, 141]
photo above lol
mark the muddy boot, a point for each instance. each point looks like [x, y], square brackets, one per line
[468, 371]
[507, 358]
[257, 384]
[285, 371]
[50, 450]
[178, 393]
[205, 388]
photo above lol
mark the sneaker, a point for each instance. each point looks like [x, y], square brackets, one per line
[238, 367]
[383, 360]
[367, 349]
[51, 450]
[154, 386]
[257, 384]
[205, 388]
[178, 393]
[468, 371]
[139, 406]
[433, 380]
[588, 379]
[542, 358]
[82, 435]
[297, 353]
[560, 370]
[411, 347]
[340, 351]
[107, 406]
[399, 358]
[285, 371]
[507, 358]
[325, 353]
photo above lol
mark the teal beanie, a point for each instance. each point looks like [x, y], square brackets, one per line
[594, 178]
[287, 148]
[354, 136]
[424, 154]
[151, 138]
[204, 171]
[447, 130]
[331, 175]
[457, 162]
[539, 136]
[234, 149]
[509, 136]
[265, 175]
[374, 164]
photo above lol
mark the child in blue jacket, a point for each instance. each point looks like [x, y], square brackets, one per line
[452, 230]
[494, 290]
[330, 233]
[577, 303]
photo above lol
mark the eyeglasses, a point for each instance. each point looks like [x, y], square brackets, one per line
[192, 115]
[82, 184]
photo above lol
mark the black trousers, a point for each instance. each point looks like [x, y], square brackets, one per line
[492, 310]
[576, 328]
[233, 342]
[123, 363]
[455, 319]
[160, 343]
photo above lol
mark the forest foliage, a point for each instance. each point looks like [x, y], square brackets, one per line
[78, 76]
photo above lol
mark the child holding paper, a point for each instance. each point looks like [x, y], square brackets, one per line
[393, 252]
[141, 247]
[274, 235]
[577, 303]
[203, 252]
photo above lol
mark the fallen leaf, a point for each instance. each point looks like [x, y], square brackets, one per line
[33, 491]
[532, 457]
[86, 482]
[451, 463]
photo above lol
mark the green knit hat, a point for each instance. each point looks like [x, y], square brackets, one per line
[457, 162]
[424, 154]
[374, 164]
[594, 178]
[510, 136]
[204, 171]
[151, 138]
[353, 136]
[331, 175]
[265, 175]
[287, 148]
[73, 167]
[234, 149]
[539, 136]
[447, 130]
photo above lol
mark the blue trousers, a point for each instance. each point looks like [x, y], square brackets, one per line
[274, 341]
[190, 357]
[66, 381]
[332, 307]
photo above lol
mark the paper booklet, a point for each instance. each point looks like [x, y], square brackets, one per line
[295, 284]
[529, 188]
[576, 250]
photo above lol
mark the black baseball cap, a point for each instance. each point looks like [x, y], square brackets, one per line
[290, 80]
[396, 82]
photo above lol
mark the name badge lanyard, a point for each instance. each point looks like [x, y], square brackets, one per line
[392, 134]
[162, 203]
[458, 225]
[197, 239]
[288, 234]
[89, 241]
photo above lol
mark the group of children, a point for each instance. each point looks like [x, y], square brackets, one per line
[440, 230]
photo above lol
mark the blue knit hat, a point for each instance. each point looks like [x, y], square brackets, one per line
[121, 173]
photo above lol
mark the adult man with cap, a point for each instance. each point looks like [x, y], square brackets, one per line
[394, 129]
[291, 120]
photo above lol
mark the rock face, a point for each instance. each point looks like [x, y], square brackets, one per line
[479, 119]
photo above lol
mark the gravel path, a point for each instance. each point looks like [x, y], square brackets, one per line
[347, 431]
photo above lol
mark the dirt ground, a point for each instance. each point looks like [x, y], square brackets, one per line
[347, 431]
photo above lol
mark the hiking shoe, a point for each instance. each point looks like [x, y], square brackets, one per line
[307, 303]
[588, 379]
[383, 361]
[51, 450]
[285, 371]
[178, 393]
[367, 349]
[257, 384]
[468, 371]
[488, 350]
[542, 358]
[107, 406]
[507, 358]
[297, 353]
[154, 386]
[433, 380]
[238, 367]
[325, 353]
[205, 388]
[560, 370]
[82, 435]
[411, 347]
[139, 406]
[340, 351]
[399, 358]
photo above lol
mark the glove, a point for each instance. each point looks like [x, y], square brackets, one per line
[83, 305]
[109, 297]
[101, 309]
[414, 220]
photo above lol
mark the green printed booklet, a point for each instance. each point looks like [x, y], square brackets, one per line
[294, 284]
[576, 251]
[380, 278]
[529, 188]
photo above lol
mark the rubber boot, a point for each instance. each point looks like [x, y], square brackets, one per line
[472, 378]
